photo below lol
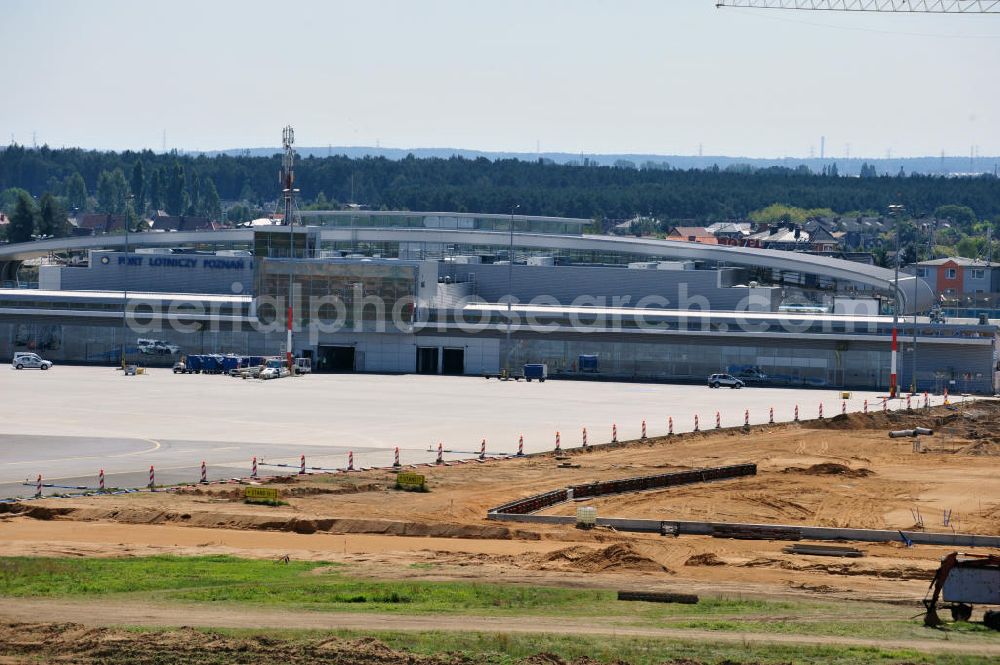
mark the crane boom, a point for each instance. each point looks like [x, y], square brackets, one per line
[897, 6]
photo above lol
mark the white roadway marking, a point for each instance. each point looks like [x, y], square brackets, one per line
[156, 446]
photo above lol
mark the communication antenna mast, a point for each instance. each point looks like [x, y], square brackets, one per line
[287, 179]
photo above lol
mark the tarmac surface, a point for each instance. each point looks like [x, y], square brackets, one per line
[69, 422]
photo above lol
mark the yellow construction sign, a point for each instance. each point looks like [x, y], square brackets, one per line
[410, 479]
[261, 493]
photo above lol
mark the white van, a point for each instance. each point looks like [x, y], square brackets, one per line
[29, 361]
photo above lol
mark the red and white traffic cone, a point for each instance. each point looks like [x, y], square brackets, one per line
[843, 408]
[696, 429]
[152, 478]
[302, 465]
[100, 480]
[395, 457]
[253, 467]
[520, 446]
[350, 460]
[38, 487]
[614, 433]
[796, 413]
[558, 445]
[670, 426]
[770, 417]
[821, 410]
[718, 420]
[482, 449]
[584, 437]
[644, 430]
[204, 472]
[440, 457]
[865, 407]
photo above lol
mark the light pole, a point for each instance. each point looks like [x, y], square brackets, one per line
[895, 210]
[128, 204]
[510, 288]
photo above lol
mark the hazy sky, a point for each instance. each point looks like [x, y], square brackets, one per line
[595, 76]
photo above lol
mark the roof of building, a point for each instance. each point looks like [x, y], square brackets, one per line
[959, 261]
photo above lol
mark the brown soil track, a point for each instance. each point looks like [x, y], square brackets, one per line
[107, 613]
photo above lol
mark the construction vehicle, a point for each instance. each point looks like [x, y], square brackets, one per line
[964, 580]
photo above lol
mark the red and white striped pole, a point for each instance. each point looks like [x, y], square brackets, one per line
[614, 433]
[38, 487]
[152, 478]
[482, 449]
[866, 406]
[253, 467]
[843, 408]
[558, 444]
[395, 457]
[520, 446]
[718, 420]
[885, 405]
[892, 369]
[204, 472]
[644, 429]
[350, 460]
[796, 413]
[927, 401]
[770, 417]
[440, 457]
[584, 437]
[908, 408]
[100, 480]
[302, 465]
[746, 418]
[670, 426]
[696, 429]
[821, 410]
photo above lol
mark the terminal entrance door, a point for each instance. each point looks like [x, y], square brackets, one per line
[453, 361]
[334, 359]
[427, 360]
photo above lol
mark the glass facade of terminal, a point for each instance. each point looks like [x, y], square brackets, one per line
[371, 219]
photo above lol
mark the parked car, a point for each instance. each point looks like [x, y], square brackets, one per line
[719, 380]
[29, 360]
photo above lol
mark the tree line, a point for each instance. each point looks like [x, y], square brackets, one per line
[197, 184]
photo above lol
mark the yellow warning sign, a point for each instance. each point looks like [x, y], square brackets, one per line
[410, 479]
[261, 493]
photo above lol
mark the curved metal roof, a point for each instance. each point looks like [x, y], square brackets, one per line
[914, 292]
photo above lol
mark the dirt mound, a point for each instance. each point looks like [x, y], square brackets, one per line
[72, 643]
[704, 559]
[831, 469]
[616, 557]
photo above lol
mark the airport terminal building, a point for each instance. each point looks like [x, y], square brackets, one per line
[448, 293]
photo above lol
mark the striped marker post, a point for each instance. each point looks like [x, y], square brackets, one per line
[821, 410]
[908, 407]
[204, 473]
[302, 465]
[558, 444]
[350, 460]
[152, 478]
[614, 433]
[927, 401]
[482, 449]
[885, 405]
[38, 487]
[746, 418]
[718, 420]
[843, 408]
[696, 429]
[946, 402]
[865, 408]
[644, 429]
[253, 467]
[770, 417]
[395, 457]
[670, 426]
[520, 446]
[440, 457]
[796, 413]
[584, 437]
[100, 480]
